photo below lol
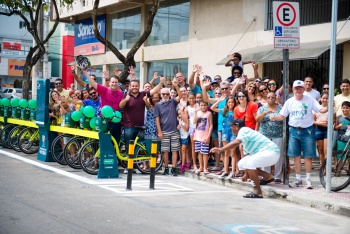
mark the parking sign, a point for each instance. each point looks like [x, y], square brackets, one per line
[286, 25]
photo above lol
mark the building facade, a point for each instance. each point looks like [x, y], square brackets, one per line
[205, 32]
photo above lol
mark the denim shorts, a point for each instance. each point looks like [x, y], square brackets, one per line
[320, 133]
[226, 135]
[302, 140]
[184, 141]
[214, 135]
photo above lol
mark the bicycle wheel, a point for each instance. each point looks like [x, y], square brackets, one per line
[122, 152]
[71, 151]
[144, 165]
[28, 140]
[4, 135]
[13, 137]
[88, 158]
[1, 128]
[57, 149]
[340, 178]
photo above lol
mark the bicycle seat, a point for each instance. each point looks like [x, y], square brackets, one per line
[141, 127]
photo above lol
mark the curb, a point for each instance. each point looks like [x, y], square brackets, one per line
[328, 205]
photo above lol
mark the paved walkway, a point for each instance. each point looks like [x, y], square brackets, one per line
[334, 202]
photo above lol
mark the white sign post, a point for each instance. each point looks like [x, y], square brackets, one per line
[286, 25]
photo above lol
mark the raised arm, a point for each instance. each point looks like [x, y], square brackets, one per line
[214, 107]
[228, 63]
[91, 81]
[176, 86]
[206, 97]
[158, 87]
[155, 76]
[105, 76]
[77, 78]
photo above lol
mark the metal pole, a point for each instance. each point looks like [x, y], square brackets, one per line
[285, 124]
[131, 150]
[45, 32]
[331, 94]
[153, 164]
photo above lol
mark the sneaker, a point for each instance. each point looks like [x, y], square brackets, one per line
[231, 175]
[188, 165]
[173, 172]
[166, 171]
[309, 184]
[182, 168]
[295, 184]
[223, 175]
[125, 171]
[278, 181]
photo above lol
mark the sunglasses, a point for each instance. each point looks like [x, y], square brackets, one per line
[257, 81]
[252, 87]
[93, 93]
[166, 94]
[218, 93]
[224, 88]
[58, 83]
[262, 90]
[272, 84]
[325, 88]
[240, 96]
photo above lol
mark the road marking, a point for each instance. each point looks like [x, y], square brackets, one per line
[140, 188]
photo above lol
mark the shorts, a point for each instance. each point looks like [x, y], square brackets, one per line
[302, 139]
[214, 135]
[320, 133]
[201, 147]
[184, 141]
[170, 139]
[265, 158]
[226, 134]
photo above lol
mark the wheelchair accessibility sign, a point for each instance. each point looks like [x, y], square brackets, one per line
[278, 31]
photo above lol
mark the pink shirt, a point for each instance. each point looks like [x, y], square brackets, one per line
[109, 97]
[202, 127]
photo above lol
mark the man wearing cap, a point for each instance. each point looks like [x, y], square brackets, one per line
[213, 85]
[261, 151]
[301, 131]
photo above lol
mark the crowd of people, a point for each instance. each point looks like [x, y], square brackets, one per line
[202, 121]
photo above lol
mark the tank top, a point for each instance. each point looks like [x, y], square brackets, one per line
[202, 126]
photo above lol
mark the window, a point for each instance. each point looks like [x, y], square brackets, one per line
[313, 12]
[125, 28]
[121, 67]
[167, 68]
[22, 25]
[171, 23]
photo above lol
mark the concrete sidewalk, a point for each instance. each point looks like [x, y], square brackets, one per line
[334, 202]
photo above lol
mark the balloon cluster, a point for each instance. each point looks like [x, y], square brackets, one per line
[16, 102]
[89, 112]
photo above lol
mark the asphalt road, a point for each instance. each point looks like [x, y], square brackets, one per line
[38, 197]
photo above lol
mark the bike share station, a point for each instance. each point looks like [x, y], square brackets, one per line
[38, 117]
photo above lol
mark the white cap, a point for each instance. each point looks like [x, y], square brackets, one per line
[298, 83]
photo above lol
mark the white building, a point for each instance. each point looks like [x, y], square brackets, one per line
[206, 31]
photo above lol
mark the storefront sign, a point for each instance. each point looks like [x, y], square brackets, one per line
[10, 47]
[15, 67]
[85, 42]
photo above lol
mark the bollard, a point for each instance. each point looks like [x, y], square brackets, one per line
[130, 167]
[153, 164]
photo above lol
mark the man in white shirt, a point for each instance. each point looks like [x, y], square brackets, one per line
[308, 82]
[301, 132]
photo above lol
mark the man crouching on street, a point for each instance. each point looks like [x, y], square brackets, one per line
[261, 153]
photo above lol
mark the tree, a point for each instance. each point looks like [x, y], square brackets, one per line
[29, 11]
[129, 59]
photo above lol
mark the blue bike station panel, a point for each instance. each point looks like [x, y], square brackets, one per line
[108, 165]
[43, 122]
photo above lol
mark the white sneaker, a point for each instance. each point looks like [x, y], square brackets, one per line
[295, 184]
[309, 184]
[231, 175]
[125, 171]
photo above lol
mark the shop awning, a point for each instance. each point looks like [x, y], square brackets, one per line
[267, 53]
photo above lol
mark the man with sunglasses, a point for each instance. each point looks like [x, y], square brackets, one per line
[59, 88]
[93, 101]
[166, 122]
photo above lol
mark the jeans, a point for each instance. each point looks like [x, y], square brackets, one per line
[130, 134]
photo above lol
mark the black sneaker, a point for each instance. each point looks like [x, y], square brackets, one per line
[166, 171]
[173, 172]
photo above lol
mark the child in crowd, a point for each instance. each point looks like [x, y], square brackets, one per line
[184, 140]
[204, 126]
[342, 124]
[236, 60]
[190, 112]
[227, 136]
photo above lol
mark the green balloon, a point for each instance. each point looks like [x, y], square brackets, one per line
[15, 102]
[23, 103]
[89, 111]
[76, 115]
[82, 109]
[32, 104]
[5, 102]
[117, 118]
[92, 122]
[107, 112]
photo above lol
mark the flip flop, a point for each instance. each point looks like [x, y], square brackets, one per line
[206, 172]
[198, 171]
[265, 182]
[252, 195]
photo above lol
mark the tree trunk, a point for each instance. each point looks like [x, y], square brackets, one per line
[26, 82]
